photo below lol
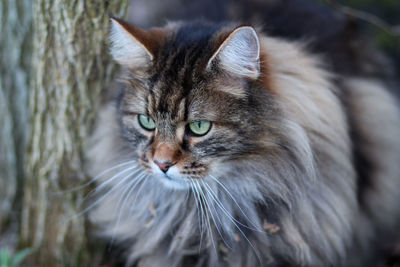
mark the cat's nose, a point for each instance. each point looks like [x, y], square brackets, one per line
[164, 166]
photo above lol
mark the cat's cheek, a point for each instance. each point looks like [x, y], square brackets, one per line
[217, 168]
[145, 166]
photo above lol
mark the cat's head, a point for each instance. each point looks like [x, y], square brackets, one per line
[193, 100]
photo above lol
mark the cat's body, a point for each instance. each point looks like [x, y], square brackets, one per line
[300, 167]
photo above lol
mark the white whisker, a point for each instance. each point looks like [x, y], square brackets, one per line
[103, 197]
[208, 222]
[95, 178]
[132, 184]
[130, 188]
[198, 213]
[187, 191]
[139, 190]
[227, 212]
[104, 184]
[237, 227]
[145, 178]
[208, 201]
[237, 204]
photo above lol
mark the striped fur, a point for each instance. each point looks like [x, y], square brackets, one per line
[279, 169]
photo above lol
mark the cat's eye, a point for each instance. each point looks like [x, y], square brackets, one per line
[200, 128]
[147, 123]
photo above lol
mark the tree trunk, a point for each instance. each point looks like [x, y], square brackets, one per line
[15, 58]
[71, 69]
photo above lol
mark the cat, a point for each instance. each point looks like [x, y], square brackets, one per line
[227, 147]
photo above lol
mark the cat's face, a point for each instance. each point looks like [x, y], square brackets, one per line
[185, 109]
[180, 135]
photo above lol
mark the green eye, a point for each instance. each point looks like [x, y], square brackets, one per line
[146, 123]
[200, 127]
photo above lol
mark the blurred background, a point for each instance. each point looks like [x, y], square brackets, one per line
[380, 20]
[55, 71]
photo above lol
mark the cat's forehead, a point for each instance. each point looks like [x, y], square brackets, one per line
[173, 102]
[184, 53]
[178, 85]
[193, 37]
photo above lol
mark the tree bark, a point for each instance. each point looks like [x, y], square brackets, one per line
[71, 69]
[15, 58]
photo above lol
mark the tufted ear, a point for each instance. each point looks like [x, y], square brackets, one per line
[239, 53]
[131, 46]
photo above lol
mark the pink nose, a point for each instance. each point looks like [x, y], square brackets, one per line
[164, 166]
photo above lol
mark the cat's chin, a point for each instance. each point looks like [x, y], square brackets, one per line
[173, 182]
[172, 179]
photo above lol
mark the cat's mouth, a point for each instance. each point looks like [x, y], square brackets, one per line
[168, 177]
[174, 182]
[176, 176]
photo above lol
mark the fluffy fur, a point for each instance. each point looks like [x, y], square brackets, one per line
[279, 178]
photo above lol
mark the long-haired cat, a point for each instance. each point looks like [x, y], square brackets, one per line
[227, 147]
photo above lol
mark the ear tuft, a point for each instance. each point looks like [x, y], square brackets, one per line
[239, 54]
[127, 49]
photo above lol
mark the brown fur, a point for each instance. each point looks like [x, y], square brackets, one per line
[281, 151]
[152, 39]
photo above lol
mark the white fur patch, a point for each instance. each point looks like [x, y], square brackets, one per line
[126, 49]
[239, 54]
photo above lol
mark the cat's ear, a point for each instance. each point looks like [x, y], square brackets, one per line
[131, 46]
[239, 53]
